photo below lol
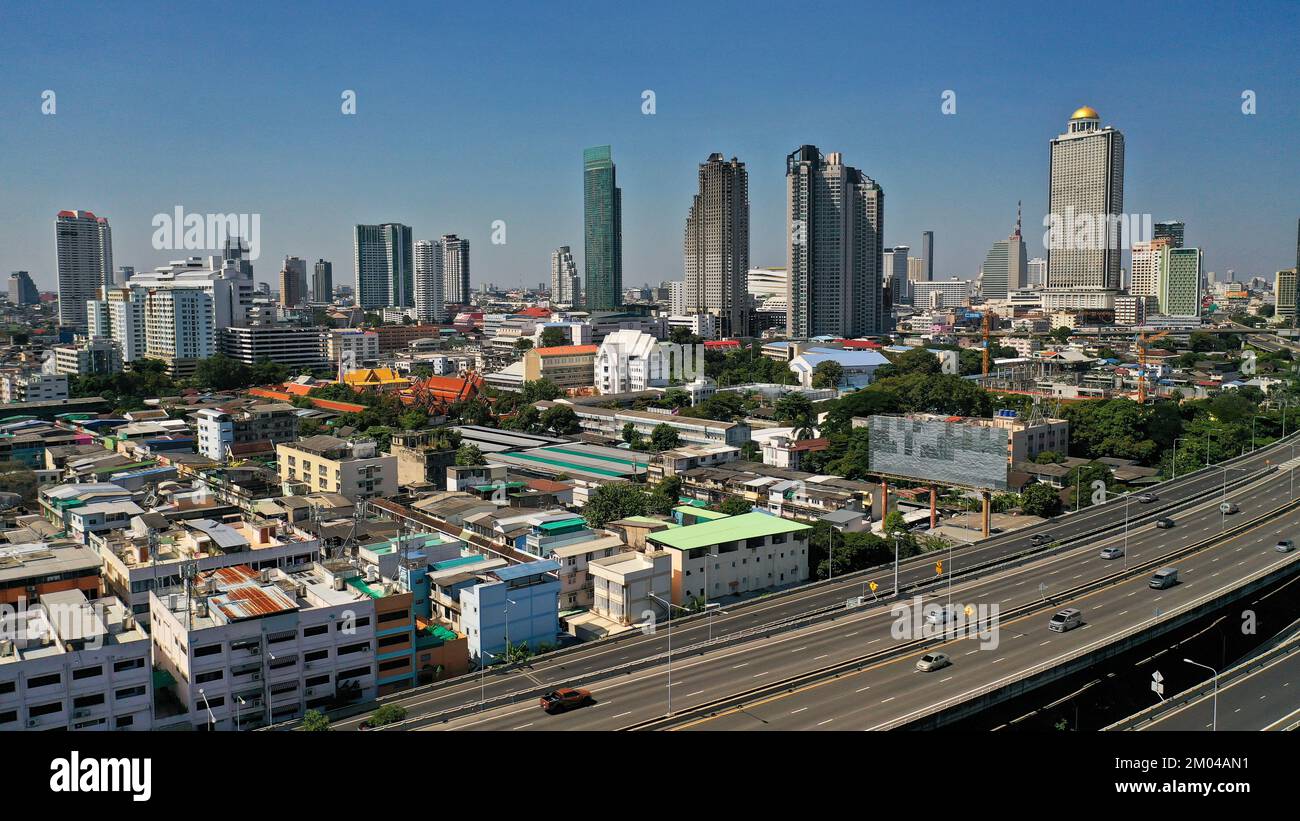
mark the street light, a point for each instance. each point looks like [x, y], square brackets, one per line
[1215, 720]
[239, 700]
[708, 556]
[482, 678]
[670, 606]
[897, 540]
[212, 720]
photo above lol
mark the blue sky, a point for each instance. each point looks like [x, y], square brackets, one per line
[468, 114]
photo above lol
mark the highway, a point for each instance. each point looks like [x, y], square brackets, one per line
[1267, 698]
[559, 669]
[697, 678]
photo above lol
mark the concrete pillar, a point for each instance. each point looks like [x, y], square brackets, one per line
[987, 498]
[934, 508]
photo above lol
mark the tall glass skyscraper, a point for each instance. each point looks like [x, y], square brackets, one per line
[602, 217]
[716, 246]
[383, 260]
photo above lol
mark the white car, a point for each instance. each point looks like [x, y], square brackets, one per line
[1112, 552]
[1284, 546]
[933, 661]
[941, 615]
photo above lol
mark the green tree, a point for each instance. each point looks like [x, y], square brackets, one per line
[387, 714]
[554, 337]
[1040, 500]
[796, 410]
[664, 437]
[314, 721]
[412, 420]
[665, 496]
[561, 420]
[828, 374]
[735, 506]
[526, 420]
[676, 398]
[917, 361]
[615, 501]
[1062, 335]
[540, 390]
[523, 344]
[751, 452]
[469, 455]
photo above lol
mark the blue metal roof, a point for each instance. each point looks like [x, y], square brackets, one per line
[523, 571]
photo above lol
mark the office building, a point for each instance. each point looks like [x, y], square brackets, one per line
[84, 243]
[716, 246]
[179, 328]
[126, 321]
[1086, 189]
[326, 464]
[353, 347]
[297, 347]
[949, 293]
[429, 302]
[322, 281]
[1171, 230]
[22, 291]
[927, 254]
[1037, 273]
[453, 256]
[566, 287]
[570, 367]
[602, 216]
[256, 429]
[1005, 266]
[1284, 294]
[835, 224]
[1180, 282]
[87, 358]
[382, 259]
[1144, 279]
[293, 282]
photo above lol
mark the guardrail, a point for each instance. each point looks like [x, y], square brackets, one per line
[851, 665]
[1286, 643]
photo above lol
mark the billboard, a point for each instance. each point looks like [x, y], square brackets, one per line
[933, 450]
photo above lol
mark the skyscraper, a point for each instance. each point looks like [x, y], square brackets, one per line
[383, 265]
[1037, 272]
[428, 282]
[1171, 230]
[1284, 296]
[293, 282]
[22, 291]
[85, 254]
[565, 285]
[1085, 200]
[453, 255]
[602, 233]
[236, 250]
[927, 254]
[896, 274]
[1180, 281]
[1145, 279]
[715, 248]
[322, 282]
[1005, 267]
[835, 224]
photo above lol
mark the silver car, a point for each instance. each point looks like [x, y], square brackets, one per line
[933, 661]
[1112, 552]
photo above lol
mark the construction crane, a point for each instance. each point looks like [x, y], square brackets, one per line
[985, 351]
[1143, 339]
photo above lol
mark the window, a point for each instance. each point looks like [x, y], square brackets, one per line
[355, 672]
[46, 709]
[390, 641]
[88, 701]
[214, 675]
[87, 672]
[396, 615]
[316, 630]
[354, 648]
[129, 664]
[44, 681]
[316, 680]
[129, 692]
[395, 664]
[316, 655]
[8, 716]
[125, 721]
[209, 650]
[7, 687]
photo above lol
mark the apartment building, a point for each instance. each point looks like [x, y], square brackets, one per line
[249, 648]
[329, 464]
[516, 605]
[678, 460]
[255, 429]
[570, 367]
[627, 586]
[575, 558]
[353, 347]
[74, 663]
[33, 386]
[30, 571]
[294, 346]
[734, 555]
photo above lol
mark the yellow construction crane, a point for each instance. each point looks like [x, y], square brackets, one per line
[1143, 339]
[985, 352]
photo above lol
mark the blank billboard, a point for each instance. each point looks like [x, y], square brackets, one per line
[947, 453]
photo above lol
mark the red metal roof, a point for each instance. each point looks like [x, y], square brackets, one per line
[568, 350]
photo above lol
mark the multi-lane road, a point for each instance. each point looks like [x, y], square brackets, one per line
[756, 614]
[701, 678]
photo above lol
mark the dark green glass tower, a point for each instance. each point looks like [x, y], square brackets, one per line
[602, 216]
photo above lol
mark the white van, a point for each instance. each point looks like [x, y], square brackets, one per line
[1067, 619]
[1164, 577]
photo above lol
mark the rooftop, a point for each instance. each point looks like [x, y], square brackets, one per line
[730, 529]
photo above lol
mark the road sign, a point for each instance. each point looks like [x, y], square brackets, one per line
[1158, 684]
[873, 586]
[938, 568]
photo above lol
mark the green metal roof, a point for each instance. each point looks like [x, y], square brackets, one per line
[562, 524]
[700, 512]
[730, 529]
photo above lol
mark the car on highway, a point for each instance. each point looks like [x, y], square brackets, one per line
[1112, 552]
[933, 661]
[1164, 577]
[1147, 498]
[1039, 538]
[941, 615]
[1165, 523]
[1067, 619]
[1228, 507]
[565, 698]
[1284, 545]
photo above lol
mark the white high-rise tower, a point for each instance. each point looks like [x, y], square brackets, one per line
[429, 302]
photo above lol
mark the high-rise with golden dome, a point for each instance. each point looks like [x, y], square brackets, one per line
[1085, 204]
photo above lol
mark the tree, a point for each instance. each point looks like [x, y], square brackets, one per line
[526, 420]
[561, 420]
[554, 337]
[1062, 335]
[796, 410]
[665, 496]
[314, 721]
[617, 501]
[523, 343]
[664, 437]
[540, 390]
[15, 477]
[917, 360]
[469, 455]
[387, 714]
[735, 506]
[1040, 500]
[751, 452]
[676, 398]
[412, 420]
[828, 374]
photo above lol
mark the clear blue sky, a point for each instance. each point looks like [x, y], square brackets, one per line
[476, 112]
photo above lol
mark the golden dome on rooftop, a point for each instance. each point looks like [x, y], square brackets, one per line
[1085, 113]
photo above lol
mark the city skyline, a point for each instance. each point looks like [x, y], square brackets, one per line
[990, 152]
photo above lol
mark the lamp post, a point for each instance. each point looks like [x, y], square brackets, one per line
[482, 678]
[239, 701]
[1215, 720]
[897, 540]
[212, 720]
[670, 607]
[708, 556]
